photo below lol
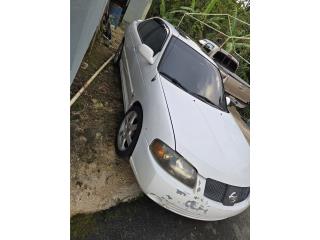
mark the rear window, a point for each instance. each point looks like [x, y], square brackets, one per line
[225, 61]
[208, 47]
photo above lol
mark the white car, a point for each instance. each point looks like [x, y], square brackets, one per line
[186, 150]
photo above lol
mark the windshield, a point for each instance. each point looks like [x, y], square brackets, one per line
[189, 70]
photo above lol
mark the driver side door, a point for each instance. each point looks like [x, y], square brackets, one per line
[153, 33]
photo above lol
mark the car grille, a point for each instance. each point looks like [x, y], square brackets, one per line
[226, 194]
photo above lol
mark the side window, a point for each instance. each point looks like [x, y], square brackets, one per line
[208, 47]
[152, 34]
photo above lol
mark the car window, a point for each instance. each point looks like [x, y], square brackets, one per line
[225, 61]
[153, 34]
[208, 47]
[189, 70]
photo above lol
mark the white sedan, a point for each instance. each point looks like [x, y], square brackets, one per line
[186, 150]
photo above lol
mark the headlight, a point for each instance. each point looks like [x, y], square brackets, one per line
[174, 163]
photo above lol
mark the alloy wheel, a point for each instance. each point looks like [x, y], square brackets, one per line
[127, 130]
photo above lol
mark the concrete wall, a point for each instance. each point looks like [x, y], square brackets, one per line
[85, 16]
[137, 9]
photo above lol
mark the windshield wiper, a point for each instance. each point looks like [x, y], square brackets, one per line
[178, 84]
[207, 100]
[174, 81]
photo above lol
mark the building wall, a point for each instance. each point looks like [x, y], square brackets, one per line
[137, 9]
[85, 16]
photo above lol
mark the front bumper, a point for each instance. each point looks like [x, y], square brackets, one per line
[170, 193]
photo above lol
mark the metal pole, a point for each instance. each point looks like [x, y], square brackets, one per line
[78, 94]
[181, 19]
[207, 25]
[220, 14]
[226, 35]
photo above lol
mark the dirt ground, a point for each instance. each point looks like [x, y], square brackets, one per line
[99, 179]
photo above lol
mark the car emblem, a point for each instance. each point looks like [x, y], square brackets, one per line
[233, 197]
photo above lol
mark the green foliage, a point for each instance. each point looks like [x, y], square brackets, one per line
[187, 9]
[245, 113]
[162, 8]
[193, 4]
[210, 6]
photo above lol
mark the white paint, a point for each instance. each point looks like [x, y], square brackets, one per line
[208, 138]
[147, 53]
[137, 9]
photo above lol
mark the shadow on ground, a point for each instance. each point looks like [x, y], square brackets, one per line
[144, 219]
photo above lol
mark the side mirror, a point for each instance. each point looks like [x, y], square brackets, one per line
[228, 100]
[202, 42]
[147, 53]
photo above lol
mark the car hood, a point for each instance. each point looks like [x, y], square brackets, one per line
[208, 138]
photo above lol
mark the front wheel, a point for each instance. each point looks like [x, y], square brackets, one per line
[129, 131]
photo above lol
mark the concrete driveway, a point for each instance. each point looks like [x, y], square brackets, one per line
[144, 219]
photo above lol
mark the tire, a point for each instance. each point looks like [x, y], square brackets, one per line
[129, 129]
[118, 54]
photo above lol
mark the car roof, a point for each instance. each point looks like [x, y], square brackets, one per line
[223, 51]
[211, 42]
